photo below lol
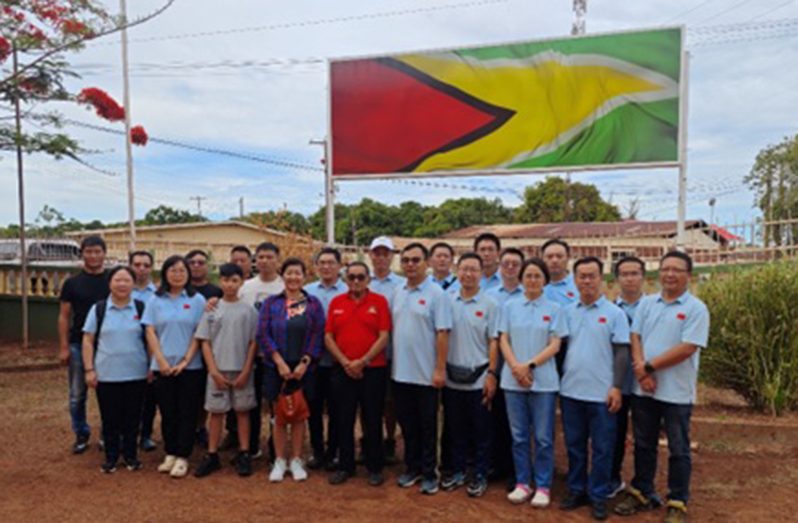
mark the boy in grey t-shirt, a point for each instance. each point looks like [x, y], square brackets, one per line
[228, 346]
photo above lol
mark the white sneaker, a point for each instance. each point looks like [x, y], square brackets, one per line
[297, 470]
[168, 464]
[541, 499]
[520, 494]
[617, 489]
[278, 471]
[180, 469]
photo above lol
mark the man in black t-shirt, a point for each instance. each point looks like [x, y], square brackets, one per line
[198, 265]
[78, 294]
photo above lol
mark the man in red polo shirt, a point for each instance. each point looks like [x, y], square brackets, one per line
[358, 324]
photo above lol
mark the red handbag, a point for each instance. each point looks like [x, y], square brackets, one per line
[291, 406]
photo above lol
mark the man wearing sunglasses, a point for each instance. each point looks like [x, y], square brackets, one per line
[357, 328]
[144, 289]
[422, 319]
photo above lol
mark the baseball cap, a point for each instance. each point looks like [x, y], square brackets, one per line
[382, 241]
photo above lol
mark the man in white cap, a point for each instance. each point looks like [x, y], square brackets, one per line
[384, 281]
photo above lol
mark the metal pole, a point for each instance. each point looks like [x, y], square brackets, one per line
[681, 233]
[21, 196]
[329, 192]
[131, 209]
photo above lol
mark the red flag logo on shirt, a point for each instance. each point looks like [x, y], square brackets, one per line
[422, 301]
[681, 316]
[602, 319]
[338, 311]
[186, 306]
[479, 314]
[546, 318]
[569, 294]
[136, 318]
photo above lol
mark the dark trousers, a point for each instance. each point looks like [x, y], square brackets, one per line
[585, 421]
[447, 441]
[179, 399]
[367, 393]
[120, 410]
[417, 414]
[255, 415]
[470, 424]
[622, 428]
[323, 397]
[502, 440]
[648, 415]
[148, 411]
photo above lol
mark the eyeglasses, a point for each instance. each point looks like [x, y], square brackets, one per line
[356, 277]
[196, 262]
[510, 264]
[415, 260]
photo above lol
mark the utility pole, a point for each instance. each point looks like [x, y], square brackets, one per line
[21, 188]
[199, 203]
[131, 209]
[329, 191]
[580, 13]
[241, 207]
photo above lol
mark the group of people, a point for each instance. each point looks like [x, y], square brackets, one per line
[490, 338]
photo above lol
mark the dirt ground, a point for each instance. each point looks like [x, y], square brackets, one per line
[745, 469]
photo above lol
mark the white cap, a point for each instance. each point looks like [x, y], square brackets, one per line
[382, 241]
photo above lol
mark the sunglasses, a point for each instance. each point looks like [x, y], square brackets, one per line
[356, 277]
[415, 260]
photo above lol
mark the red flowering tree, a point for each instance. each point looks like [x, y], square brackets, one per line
[36, 36]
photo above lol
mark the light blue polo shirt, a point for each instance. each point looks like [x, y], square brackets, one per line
[451, 282]
[592, 329]
[121, 355]
[629, 309]
[175, 320]
[475, 321]
[488, 282]
[325, 295]
[663, 325]
[530, 324]
[501, 295]
[143, 294]
[418, 314]
[563, 292]
[387, 287]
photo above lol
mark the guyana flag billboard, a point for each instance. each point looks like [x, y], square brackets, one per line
[600, 101]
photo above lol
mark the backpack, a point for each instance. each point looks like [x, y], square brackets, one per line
[99, 310]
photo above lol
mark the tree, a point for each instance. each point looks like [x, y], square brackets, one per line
[460, 213]
[282, 220]
[558, 200]
[163, 214]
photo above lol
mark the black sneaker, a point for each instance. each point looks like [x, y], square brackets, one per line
[209, 464]
[244, 464]
[339, 476]
[315, 463]
[147, 445]
[132, 464]
[574, 501]
[408, 479]
[376, 479]
[600, 510]
[331, 465]
[81, 444]
[476, 487]
[109, 467]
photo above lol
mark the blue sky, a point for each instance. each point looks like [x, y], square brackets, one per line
[743, 97]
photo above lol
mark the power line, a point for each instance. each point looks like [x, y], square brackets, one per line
[774, 9]
[725, 11]
[687, 12]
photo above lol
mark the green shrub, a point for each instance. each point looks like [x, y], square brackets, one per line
[753, 342]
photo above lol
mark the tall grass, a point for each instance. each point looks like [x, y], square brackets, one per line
[753, 343]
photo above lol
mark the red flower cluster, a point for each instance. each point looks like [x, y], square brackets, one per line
[5, 49]
[105, 106]
[138, 136]
[74, 27]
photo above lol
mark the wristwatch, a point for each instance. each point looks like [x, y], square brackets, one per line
[532, 365]
[649, 368]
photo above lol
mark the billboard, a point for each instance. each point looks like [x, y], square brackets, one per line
[590, 102]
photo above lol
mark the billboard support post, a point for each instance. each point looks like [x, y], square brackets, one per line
[681, 213]
[329, 194]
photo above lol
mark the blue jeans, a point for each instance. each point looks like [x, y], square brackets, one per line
[583, 421]
[528, 413]
[648, 415]
[77, 391]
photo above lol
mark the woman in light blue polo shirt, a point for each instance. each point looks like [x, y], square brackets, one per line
[530, 331]
[115, 362]
[171, 318]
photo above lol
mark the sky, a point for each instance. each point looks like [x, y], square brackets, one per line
[251, 79]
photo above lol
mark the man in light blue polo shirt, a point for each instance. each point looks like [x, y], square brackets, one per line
[590, 391]
[471, 377]
[561, 289]
[441, 258]
[510, 263]
[384, 281]
[330, 285]
[143, 290]
[488, 246]
[668, 330]
[422, 318]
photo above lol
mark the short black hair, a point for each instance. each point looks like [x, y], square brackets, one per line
[556, 241]
[121, 268]
[680, 255]
[293, 262]
[442, 245]
[241, 248]
[470, 256]
[512, 250]
[195, 252]
[358, 263]
[416, 245]
[490, 237]
[540, 264]
[133, 254]
[629, 259]
[164, 287]
[589, 259]
[93, 241]
[267, 246]
[328, 250]
[227, 270]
